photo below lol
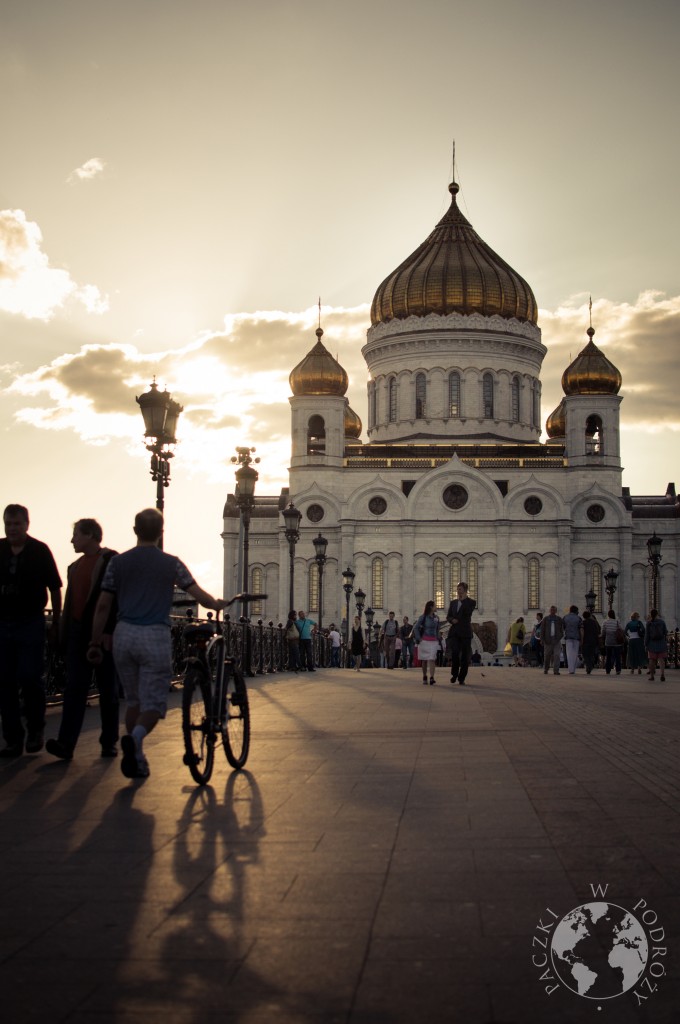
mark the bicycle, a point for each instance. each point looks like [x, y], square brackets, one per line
[214, 700]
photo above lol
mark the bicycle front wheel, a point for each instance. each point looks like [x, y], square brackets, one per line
[199, 740]
[235, 718]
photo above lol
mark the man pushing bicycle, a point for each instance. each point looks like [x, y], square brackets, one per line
[141, 582]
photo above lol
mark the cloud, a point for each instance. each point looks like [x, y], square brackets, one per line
[234, 385]
[29, 286]
[90, 169]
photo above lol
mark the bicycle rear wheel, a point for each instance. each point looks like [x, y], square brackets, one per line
[199, 740]
[235, 717]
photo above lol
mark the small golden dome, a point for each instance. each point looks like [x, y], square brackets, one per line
[318, 373]
[556, 423]
[591, 373]
[454, 271]
[352, 423]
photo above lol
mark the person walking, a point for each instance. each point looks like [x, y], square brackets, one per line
[552, 631]
[27, 573]
[428, 637]
[293, 642]
[590, 641]
[406, 634]
[536, 645]
[388, 635]
[459, 640]
[83, 586]
[572, 623]
[357, 643]
[306, 629]
[141, 582]
[635, 635]
[656, 642]
[612, 635]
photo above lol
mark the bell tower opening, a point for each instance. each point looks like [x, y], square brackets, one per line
[316, 435]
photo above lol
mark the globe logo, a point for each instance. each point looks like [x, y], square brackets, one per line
[599, 950]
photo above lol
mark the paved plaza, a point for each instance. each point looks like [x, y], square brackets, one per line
[393, 853]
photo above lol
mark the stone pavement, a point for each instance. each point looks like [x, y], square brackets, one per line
[393, 853]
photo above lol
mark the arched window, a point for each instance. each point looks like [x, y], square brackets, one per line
[594, 438]
[313, 588]
[421, 396]
[472, 577]
[454, 578]
[256, 587]
[316, 435]
[596, 583]
[488, 396]
[514, 412]
[438, 582]
[392, 399]
[377, 583]
[371, 404]
[454, 394]
[534, 587]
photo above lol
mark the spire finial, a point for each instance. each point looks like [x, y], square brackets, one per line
[453, 187]
[590, 332]
[319, 332]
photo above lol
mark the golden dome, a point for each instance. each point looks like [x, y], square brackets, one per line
[591, 373]
[556, 423]
[352, 423]
[318, 373]
[453, 271]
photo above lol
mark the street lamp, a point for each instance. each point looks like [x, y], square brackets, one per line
[161, 413]
[348, 587]
[654, 557]
[246, 478]
[591, 601]
[610, 586]
[360, 598]
[292, 517]
[320, 545]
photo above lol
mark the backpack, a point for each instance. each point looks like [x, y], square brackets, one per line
[655, 630]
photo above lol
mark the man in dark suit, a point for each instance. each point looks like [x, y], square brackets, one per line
[460, 633]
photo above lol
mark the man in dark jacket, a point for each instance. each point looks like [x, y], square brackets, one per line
[552, 631]
[84, 580]
[460, 634]
[27, 572]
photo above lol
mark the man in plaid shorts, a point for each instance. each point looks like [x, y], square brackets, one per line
[142, 582]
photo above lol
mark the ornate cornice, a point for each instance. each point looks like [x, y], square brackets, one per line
[457, 322]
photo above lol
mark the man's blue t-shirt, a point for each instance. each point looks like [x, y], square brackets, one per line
[143, 580]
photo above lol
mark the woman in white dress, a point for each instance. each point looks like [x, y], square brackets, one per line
[429, 641]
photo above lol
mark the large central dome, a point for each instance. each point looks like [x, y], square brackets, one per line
[453, 271]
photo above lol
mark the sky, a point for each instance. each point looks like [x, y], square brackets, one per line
[182, 181]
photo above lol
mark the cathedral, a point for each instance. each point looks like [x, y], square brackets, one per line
[454, 482]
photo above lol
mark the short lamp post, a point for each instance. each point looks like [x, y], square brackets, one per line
[654, 557]
[292, 517]
[360, 598]
[161, 413]
[369, 615]
[348, 587]
[246, 478]
[610, 586]
[591, 601]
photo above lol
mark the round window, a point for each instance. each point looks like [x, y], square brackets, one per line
[595, 513]
[533, 505]
[377, 505]
[455, 496]
[315, 513]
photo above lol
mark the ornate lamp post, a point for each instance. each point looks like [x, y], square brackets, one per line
[654, 557]
[360, 598]
[348, 587]
[246, 478]
[591, 601]
[320, 545]
[610, 586]
[161, 413]
[292, 517]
